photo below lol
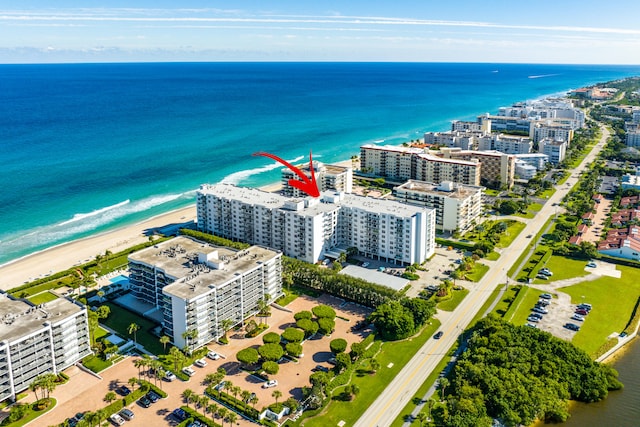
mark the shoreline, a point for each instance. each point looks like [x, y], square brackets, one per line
[65, 255]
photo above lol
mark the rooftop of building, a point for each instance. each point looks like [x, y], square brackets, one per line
[185, 259]
[435, 158]
[454, 190]
[531, 155]
[484, 153]
[317, 167]
[329, 201]
[394, 148]
[20, 318]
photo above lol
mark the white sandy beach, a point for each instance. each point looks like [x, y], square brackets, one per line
[72, 253]
[69, 254]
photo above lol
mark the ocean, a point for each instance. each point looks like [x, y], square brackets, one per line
[86, 148]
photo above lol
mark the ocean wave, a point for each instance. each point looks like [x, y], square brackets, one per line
[237, 177]
[81, 216]
[82, 223]
[542, 76]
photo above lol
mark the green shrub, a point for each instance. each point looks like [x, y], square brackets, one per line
[324, 311]
[271, 352]
[271, 338]
[293, 349]
[339, 345]
[293, 335]
[326, 325]
[303, 315]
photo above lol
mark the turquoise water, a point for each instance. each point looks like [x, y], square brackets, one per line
[90, 147]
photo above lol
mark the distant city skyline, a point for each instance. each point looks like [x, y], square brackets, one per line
[572, 32]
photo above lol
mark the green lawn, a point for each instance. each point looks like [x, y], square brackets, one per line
[33, 414]
[95, 363]
[514, 228]
[521, 307]
[503, 305]
[491, 192]
[613, 301]
[493, 256]
[452, 303]
[294, 292]
[101, 333]
[396, 352]
[120, 319]
[43, 297]
[565, 268]
[549, 192]
[478, 271]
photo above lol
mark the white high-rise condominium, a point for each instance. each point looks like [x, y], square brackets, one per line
[311, 228]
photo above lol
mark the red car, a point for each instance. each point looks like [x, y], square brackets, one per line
[582, 312]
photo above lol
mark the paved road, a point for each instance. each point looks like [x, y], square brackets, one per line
[386, 408]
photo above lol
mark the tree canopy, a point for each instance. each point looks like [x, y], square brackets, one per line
[401, 319]
[293, 335]
[517, 374]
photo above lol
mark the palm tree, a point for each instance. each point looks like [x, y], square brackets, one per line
[235, 390]
[100, 415]
[232, 418]
[421, 417]
[222, 413]
[132, 382]
[138, 363]
[228, 386]
[253, 400]
[133, 329]
[375, 365]
[277, 394]
[202, 402]
[444, 383]
[212, 408]
[91, 418]
[225, 325]
[245, 395]
[164, 340]
[34, 386]
[110, 397]
[186, 395]
[430, 404]
[210, 379]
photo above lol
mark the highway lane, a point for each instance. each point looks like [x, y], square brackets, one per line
[386, 408]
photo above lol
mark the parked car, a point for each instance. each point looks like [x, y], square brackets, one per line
[531, 325]
[117, 419]
[127, 414]
[582, 312]
[540, 310]
[179, 414]
[332, 361]
[546, 272]
[365, 264]
[592, 265]
[432, 288]
[321, 368]
[546, 296]
[123, 390]
[536, 315]
[195, 423]
[542, 277]
[213, 355]
[220, 385]
[577, 317]
[438, 335]
[201, 363]
[169, 376]
[544, 302]
[188, 370]
[144, 401]
[153, 396]
[572, 326]
[585, 306]
[270, 383]
[533, 319]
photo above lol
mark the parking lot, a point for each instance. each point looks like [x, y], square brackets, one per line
[85, 392]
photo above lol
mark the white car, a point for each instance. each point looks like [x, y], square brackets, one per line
[200, 363]
[592, 265]
[189, 371]
[270, 383]
[213, 355]
[117, 419]
[365, 264]
[169, 376]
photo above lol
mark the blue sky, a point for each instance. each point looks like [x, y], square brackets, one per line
[543, 31]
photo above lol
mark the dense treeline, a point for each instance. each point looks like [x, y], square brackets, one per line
[396, 320]
[517, 374]
[214, 240]
[340, 285]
